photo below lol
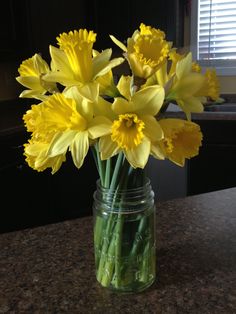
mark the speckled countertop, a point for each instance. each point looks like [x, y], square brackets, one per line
[50, 269]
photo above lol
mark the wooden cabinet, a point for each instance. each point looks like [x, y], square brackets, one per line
[215, 166]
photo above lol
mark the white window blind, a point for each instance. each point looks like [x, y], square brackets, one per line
[216, 32]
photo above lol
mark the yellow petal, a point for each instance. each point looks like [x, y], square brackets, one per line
[60, 62]
[60, 143]
[79, 148]
[161, 75]
[118, 43]
[99, 126]
[189, 85]
[121, 106]
[104, 108]
[113, 63]
[138, 156]
[84, 107]
[40, 65]
[191, 104]
[148, 101]
[152, 128]
[89, 91]
[124, 86]
[61, 78]
[157, 152]
[33, 94]
[107, 147]
[100, 59]
[31, 82]
[184, 66]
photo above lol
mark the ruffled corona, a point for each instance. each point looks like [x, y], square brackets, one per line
[32, 72]
[77, 46]
[182, 139]
[127, 131]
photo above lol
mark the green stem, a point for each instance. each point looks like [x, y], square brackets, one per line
[116, 240]
[116, 171]
[107, 173]
[100, 165]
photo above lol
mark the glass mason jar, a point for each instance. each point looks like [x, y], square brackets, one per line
[124, 237]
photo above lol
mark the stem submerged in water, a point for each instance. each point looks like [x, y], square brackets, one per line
[123, 244]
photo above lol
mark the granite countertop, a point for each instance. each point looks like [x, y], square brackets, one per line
[50, 269]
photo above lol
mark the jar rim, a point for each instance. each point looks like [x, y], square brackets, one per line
[146, 185]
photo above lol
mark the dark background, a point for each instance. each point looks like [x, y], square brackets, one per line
[29, 26]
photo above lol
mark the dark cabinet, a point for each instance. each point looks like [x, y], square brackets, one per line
[215, 167]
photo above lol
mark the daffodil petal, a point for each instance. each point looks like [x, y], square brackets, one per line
[113, 63]
[152, 128]
[89, 91]
[192, 104]
[121, 106]
[79, 148]
[31, 82]
[101, 59]
[189, 85]
[60, 62]
[40, 65]
[99, 126]
[124, 85]
[104, 108]
[33, 94]
[184, 66]
[156, 151]
[118, 43]
[61, 142]
[149, 100]
[84, 107]
[161, 75]
[61, 78]
[138, 156]
[107, 147]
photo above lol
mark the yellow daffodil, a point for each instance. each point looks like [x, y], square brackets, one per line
[59, 124]
[174, 57]
[73, 63]
[135, 129]
[181, 140]
[146, 50]
[196, 67]
[211, 86]
[32, 72]
[185, 87]
[106, 83]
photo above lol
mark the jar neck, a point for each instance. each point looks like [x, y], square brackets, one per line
[125, 200]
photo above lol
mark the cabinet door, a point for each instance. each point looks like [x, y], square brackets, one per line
[214, 168]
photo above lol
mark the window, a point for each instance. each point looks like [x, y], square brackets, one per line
[213, 34]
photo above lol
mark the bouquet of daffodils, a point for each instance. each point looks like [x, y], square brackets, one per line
[81, 105]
